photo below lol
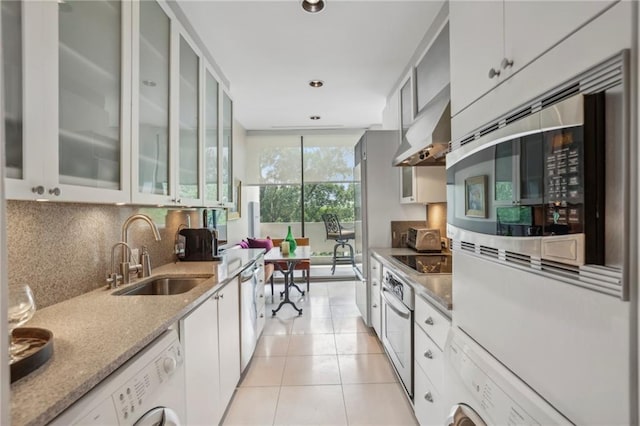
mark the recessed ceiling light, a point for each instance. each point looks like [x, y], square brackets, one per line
[315, 117]
[316, 83]
[313, 6]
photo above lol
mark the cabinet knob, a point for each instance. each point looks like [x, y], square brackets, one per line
[261, 315]
[428, 354]
[221, 296]
[176, 200]
[55, 191]
[494, 73]
[375, 305]
[506, 63]
[261, 296]
[374, 284]
[428, 396]
[429, 321]
[38, 189]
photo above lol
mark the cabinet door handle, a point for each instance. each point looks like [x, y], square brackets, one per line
[374, 284]
[506, 63]
[375, 306]
[261, 315]
[38, 189]
[428, 354]
[222, 296]
[55, 191]
[428, 396]
[494, 73]
[429, 321]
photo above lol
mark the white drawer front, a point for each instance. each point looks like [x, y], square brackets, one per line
[432, 322]
[430, 358]
[429, 406]
[376, 311]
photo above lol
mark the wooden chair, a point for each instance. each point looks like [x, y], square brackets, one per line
[304, 266]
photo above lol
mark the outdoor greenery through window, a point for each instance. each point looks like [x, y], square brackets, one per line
[300, 178]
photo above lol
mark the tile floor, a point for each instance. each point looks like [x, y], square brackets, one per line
[322, 368]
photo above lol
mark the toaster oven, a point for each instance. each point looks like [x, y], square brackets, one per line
[424, 240]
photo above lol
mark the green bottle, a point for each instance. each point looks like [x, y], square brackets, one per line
[291, 240]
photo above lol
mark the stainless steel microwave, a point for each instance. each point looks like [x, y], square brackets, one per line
[536, 185]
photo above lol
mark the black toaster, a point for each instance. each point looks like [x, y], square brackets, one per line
[200, 244]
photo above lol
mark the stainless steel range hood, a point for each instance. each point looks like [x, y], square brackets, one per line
[427, 140]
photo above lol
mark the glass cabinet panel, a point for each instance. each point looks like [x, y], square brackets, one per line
[90, 93]
[188, 143]
[153, 108]
[406, 108]
[12, 60]
[211, 139]
[227, 149]
[407, 182]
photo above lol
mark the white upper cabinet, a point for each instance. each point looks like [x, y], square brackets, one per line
[112, 102]
[189, 142]
[476, 47]
[76, 84]
[226, 167]
[492, 40]
[11, 12]
[211, 138]
[151, 93]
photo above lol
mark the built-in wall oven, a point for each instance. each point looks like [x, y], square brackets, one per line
[397, 299]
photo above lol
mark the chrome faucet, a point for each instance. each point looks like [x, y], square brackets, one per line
[142, 272]
[126, 267]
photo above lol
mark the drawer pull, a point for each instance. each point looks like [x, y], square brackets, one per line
[428, 354]
[429, 321]
[428, 396]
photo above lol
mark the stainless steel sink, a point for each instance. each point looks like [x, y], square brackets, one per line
[164, 286]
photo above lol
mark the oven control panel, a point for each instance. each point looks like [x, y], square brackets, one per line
[393, 283]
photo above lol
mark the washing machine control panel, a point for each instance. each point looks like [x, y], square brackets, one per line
[130, 398]
[491, 401]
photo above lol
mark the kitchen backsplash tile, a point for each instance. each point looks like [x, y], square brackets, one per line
[63, 250]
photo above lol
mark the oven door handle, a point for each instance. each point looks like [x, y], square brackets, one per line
[393, 305]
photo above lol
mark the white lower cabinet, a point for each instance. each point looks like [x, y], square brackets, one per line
[375, 274]
[210, 336]
[428, 403]
[229, 341]
[430, 331]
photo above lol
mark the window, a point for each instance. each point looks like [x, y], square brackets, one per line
[301, 177]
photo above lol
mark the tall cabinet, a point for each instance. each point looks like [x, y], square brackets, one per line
[112, 102]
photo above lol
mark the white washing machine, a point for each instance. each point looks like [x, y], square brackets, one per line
[149, 389]
[481, 391]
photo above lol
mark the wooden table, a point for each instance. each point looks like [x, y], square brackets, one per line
[276, 257]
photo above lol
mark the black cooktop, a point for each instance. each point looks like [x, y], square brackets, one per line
[435, 263]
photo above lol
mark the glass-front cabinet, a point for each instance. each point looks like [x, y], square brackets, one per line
[11, 12]
[211, 138]
[189, 146]
[151, 104]
[74, 144]
[228, 196]
[111, 102]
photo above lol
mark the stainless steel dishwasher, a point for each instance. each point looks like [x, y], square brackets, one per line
[251, 309]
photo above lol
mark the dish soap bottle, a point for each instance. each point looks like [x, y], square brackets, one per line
[291, 240]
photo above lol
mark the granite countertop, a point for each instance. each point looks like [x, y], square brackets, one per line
[97, 332]
[436, 288]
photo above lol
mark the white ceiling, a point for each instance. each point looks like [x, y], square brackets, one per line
[270, 50]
